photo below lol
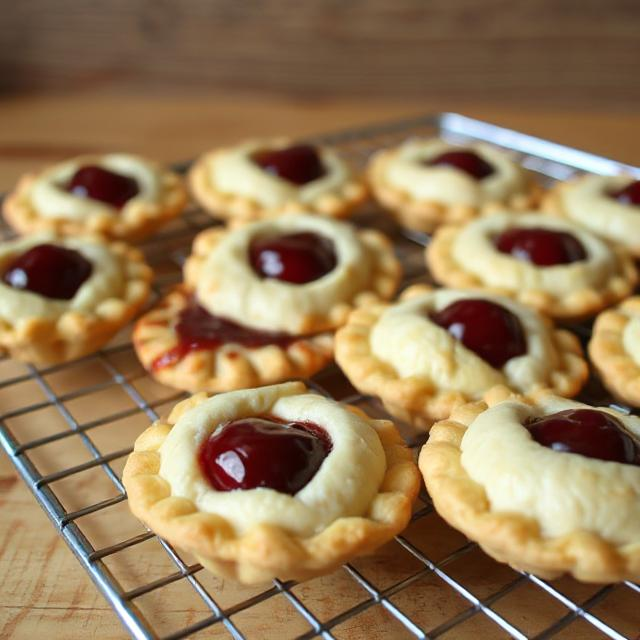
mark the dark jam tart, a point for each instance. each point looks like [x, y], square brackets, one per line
[628, 195]
[98, 183]
[465, 160]
[298, 164]
[264, 452]
[540, 246]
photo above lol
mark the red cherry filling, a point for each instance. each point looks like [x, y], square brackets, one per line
[198, 330]
[298, 164]
[629, 194]
[264, 452]
[101, 184]
[540, 246]
[297, 258]
[464, 160]
[489, 330]
[591, 433]
[50, 270]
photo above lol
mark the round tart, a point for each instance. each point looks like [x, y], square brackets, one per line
[119, 196]
[425, 183]
[553, 265]
[269, 483]
[265, 178]
[62, 298]
[615, 350]
[260, 302]
[608, 206]
[437, 349]
[548, 485]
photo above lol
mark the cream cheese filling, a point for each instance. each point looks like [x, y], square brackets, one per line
[407, 170]
[50, 198]
[406, 339]
[563, 492]
[344, 485]
[233, 172]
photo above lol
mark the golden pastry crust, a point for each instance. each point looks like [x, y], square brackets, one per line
[574, 304]
[136, 220]
[418, 400]
[266, 551]
[612, 341]
[508, 536]
[427, 214]
[383, 278]
[229, 366]
[338, 202]
[76, 333]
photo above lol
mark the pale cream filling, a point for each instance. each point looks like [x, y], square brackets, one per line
[563, 492]
[474, 248]
[106, 280]
[406, 170]
[344, 485]
[50, 198]
[230, 287]
[587, 201]
[233, 172]
[405, 338]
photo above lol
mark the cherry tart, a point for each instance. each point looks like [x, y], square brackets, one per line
[436, 349]
[614, 350]
[260, 302]
[63, 298]
[608, 206]
[425, 183]
[119, 196]
[552, 265]
[548, 485]
[275, 482]
[260, 179]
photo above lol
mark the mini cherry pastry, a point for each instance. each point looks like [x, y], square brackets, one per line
[591, 433]
[49, 270]
[628, 195]
[101, 184]
[297, 258]
[264, 452]
[543, 247]
[298, 164]
[198, 330]
[488, 329]
[464, 160]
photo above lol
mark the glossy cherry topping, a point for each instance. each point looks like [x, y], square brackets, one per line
[298, 164]
[464, 160]
[101, 184]
[50, 270]
[198, 330]
[264, 452]
[591, 433]
[629, 194]
[489, 330]
[295, 257]
[543, 247]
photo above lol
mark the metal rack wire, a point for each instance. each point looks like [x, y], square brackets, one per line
[389, 595]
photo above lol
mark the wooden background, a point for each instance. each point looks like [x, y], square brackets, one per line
[575, 53]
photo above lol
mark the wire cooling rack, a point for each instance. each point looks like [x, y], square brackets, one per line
[68, 429]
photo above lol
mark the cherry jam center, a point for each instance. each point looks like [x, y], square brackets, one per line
[101, 184]
[298, 164]
[628, 195]
[486, 328]
[49, 270]
[591, 433]
[541, 246]
[297, 258]
[464, 160]
[198, 330]
[264, 452]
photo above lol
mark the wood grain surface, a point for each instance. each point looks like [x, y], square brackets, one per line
[524, 52]
[43, 591]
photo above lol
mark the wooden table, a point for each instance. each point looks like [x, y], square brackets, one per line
[44, 592]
